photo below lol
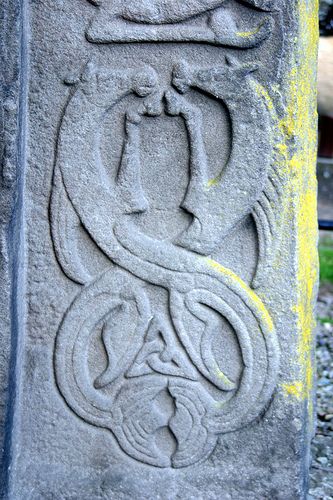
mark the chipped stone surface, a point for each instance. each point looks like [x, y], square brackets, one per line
[170, 265]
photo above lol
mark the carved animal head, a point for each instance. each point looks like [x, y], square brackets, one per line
[101, 86]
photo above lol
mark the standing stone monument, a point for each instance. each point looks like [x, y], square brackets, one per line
[158, 248]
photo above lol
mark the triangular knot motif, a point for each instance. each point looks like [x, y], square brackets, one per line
[161, 354]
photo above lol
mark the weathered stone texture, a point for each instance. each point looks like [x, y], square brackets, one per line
[12, 138]
[170, 264]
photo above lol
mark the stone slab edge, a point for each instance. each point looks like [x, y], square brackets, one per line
[13, 81]
[299, 129]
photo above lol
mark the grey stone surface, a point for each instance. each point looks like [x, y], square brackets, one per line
[157, 347]
[13, 114]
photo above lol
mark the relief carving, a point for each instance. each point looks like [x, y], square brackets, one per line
[144, 348]
[217, 22]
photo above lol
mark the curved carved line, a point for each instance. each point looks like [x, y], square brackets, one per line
[65, 225]
[246, 172]
[274, 206]
[72, 344]
[206, 298]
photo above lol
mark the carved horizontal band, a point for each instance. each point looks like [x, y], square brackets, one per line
[206, 21]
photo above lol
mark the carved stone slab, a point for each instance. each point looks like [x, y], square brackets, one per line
[166, 249]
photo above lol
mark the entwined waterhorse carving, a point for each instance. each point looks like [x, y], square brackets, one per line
[83, 190]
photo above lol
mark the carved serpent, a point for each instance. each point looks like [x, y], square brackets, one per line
[83, 193]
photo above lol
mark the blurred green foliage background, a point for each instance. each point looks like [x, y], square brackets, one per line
[326, 259]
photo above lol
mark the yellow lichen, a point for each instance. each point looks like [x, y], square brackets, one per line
[300, 144]
[246, 34]
[243, 286]
[296, 389]
[213, 182]
[295, 149]
[295, 144]
[222, 376]
[262, 92]
[294, 138]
